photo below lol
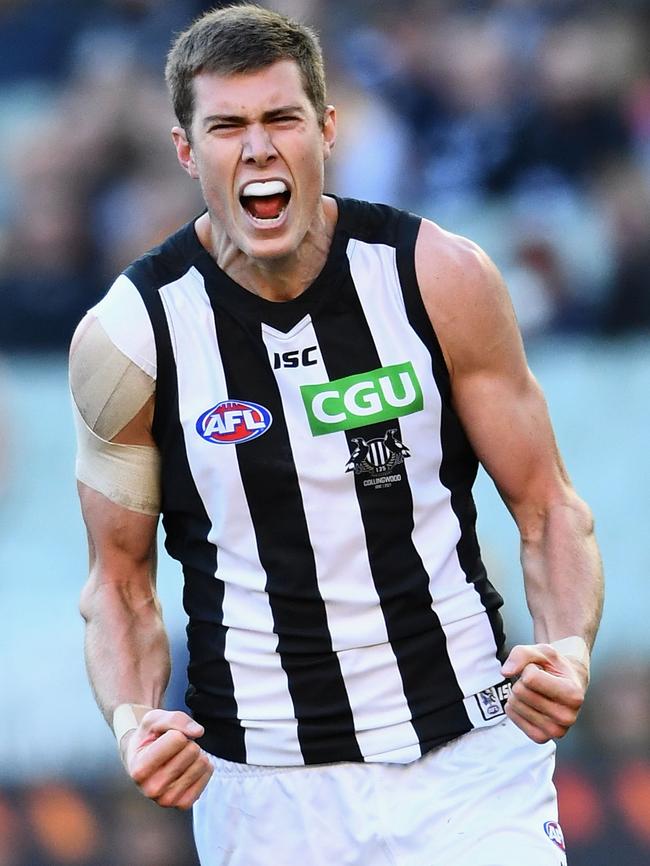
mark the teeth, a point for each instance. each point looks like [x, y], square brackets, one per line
[266, 187]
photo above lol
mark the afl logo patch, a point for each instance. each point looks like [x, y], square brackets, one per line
[233, 422]
[554, 833]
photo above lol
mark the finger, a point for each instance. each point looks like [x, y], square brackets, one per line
[538, 722]
[148, 758]
[522, 655]
[556, 711]
[160, 779]
[532, 731]
[158, 721]
[187, 786]
[192, 794]
[537, 686]
[562, 688]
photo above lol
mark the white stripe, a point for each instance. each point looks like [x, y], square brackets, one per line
[260, 683]
[356, 623]
[470, 641]
[124, 317]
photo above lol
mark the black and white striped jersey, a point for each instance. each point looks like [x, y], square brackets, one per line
[317, 490]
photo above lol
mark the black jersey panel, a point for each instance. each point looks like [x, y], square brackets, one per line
[273, 495]
[400, 578]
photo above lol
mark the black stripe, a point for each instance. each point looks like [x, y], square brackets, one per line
[459, 462]
[187, 526]
[430, 686]
[321, 705]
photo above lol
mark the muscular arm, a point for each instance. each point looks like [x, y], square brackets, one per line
[504, 414]
[127, 651]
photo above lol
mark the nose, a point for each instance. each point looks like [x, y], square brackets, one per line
[258, 147]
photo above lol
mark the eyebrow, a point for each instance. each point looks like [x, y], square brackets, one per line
[240, 119]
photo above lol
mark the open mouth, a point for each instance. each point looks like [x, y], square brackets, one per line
[265, 201]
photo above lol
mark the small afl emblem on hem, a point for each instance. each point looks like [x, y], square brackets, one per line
[233, 422]
[492, 701]
[554, 833]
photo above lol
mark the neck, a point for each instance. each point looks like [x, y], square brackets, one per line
[278, 279]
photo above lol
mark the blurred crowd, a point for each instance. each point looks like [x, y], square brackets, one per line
[524, 123]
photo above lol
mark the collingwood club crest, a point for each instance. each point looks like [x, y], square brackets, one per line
[377, 457]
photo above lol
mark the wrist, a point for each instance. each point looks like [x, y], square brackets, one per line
[575, 649]
[126, 719]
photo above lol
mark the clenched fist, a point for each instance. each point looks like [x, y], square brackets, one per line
[163, 760]
[549, 691]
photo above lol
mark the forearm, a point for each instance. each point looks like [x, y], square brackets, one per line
[126, 647]
[562, 571]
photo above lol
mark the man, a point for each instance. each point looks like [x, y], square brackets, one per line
[302, 385]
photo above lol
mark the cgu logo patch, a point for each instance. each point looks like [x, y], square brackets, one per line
[355, 401]
[554, 833]
[233, 421]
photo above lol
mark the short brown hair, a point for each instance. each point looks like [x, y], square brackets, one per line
[242, 38]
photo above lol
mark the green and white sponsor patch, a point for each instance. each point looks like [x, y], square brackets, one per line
[354, 401]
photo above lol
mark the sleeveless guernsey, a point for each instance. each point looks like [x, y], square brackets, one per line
[316, 487]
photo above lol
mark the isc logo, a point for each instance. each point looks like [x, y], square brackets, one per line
[295, 358]
[233, 421]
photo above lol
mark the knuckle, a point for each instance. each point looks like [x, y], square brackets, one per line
[540, 737]
[150, 789]
[576, 699]
[566, 718]
[139, 775]
[528, 675]
[176, 738]
[178, 717]
[166, 800]
[193, 750]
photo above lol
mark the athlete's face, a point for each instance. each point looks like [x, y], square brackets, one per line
[258, 150]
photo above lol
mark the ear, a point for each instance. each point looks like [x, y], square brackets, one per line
[184, 152]
[329, 130]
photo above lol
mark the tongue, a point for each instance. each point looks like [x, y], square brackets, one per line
[265, 207]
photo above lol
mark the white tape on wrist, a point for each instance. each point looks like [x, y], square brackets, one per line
[573, 647]
[125, 719]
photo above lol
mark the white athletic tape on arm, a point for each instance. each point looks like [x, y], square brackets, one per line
[127, 717]
[573, 647]
[109, 389]
[128, 475]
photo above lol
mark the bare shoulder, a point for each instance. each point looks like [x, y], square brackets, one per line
[466, 299]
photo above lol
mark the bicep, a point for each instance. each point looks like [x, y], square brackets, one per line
[507, 422]
[122, 551]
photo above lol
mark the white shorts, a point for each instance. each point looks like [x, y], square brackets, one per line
[486, 799]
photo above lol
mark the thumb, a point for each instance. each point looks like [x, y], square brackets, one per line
[158, 722]
[520, 656]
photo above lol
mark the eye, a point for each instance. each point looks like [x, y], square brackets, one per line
[222, 127]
